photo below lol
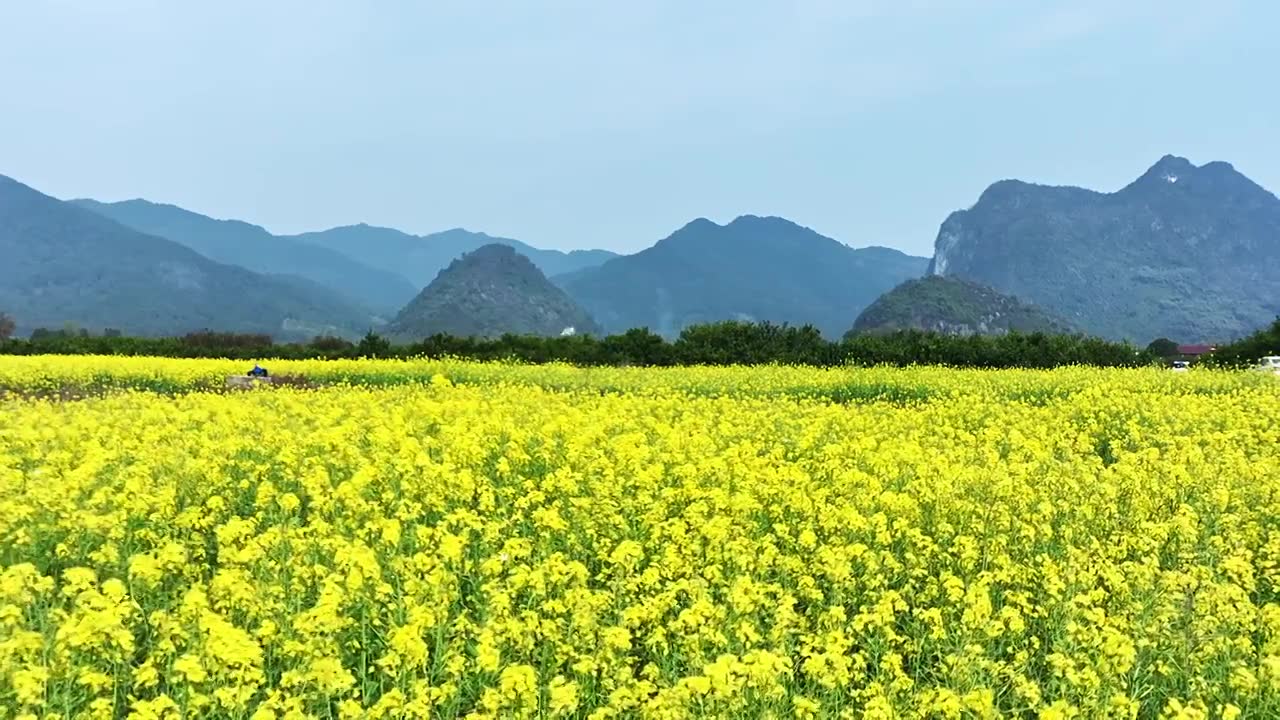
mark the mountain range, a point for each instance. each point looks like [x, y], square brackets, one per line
[378, 268]
[754, 268]
[1184, 252]
[420, 257]
[489, 292]
[63, 263]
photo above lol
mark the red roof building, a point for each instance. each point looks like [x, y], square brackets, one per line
[1195, 350]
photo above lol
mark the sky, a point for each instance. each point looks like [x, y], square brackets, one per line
[576, 124]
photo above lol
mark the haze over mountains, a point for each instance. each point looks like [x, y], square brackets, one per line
[754, 268]
[252, 247]
[62, 263]
[380, 268]
[1191, 253]
[420, 257]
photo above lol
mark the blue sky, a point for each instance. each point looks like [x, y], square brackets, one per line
[610, 124]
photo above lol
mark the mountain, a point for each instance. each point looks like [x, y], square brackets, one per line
[754, 268]
[488, 292]
[252, 247]
[64, 264]
[1185, 252]
[953, 307]
[419, 258]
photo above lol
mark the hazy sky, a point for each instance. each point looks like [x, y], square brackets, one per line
[610, 124]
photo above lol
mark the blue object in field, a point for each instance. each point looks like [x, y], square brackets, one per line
[258, 371]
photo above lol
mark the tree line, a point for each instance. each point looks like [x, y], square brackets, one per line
[1248, 350]
[721, 343]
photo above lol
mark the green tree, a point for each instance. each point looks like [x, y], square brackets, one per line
[637, 346]
[373, 345]
[1247, 351]
[330, 344]
[1163, 347]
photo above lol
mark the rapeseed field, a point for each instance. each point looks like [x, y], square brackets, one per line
[440, 539]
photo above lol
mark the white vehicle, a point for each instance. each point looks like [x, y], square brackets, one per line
[1270, 363]
[1181, 365]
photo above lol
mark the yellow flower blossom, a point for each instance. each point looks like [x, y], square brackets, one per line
[427, 538]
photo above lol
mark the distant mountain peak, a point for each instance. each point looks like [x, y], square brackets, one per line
[495, 253]
[698, 223]
[702, 236]
[953, 307]
[360, 226]
[750, 219]
[421, 257]
[772, 220]
[742, 221]
[487, 292]
[1184, 251]
[126, 202]
[1168, 170]
[1174, 176]
[758, 268]
[1172, 164]
[461, 232]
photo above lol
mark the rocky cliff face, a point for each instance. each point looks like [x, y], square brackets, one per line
[1185, 252]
